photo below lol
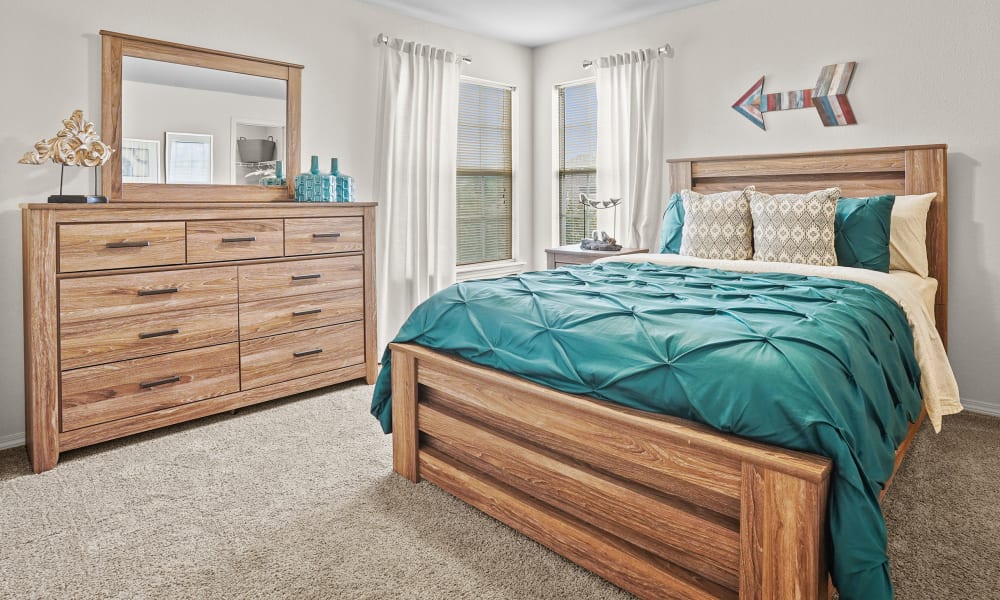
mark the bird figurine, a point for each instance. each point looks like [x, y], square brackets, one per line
[600, 240]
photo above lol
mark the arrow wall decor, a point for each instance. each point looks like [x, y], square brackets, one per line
[829, 97]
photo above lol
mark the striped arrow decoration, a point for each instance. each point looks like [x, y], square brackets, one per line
[829, 97]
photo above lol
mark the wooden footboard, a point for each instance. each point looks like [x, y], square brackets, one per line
[660, 506]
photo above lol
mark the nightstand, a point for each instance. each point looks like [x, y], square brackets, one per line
[573, 255]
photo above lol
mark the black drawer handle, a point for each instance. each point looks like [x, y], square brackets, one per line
[302, 313]
[249, 238]
[152, 384]
[307, 353]
[326, 235]
[171, 290]
[141, 244]
[146, 336]
[301, 277]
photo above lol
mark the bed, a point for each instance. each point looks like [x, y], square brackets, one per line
[662, 506]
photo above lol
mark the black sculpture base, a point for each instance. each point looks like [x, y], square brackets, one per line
[60, 199]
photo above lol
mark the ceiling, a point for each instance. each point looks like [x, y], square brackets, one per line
[533, 22]
[199, 78]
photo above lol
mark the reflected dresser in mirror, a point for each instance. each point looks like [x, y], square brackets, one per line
[178, 301]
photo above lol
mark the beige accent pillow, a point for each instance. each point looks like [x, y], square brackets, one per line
[795, 228]
[908, 233]
[717, 226]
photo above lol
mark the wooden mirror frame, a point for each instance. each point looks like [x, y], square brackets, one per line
[116, 46]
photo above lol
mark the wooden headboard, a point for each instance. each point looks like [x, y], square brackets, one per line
[857, 172]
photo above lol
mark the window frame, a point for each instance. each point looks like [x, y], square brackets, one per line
[557, 148]
[514, 264]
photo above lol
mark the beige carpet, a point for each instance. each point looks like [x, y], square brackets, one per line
[294, 499]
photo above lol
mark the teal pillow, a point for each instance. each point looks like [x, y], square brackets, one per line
[861, 232]
[673, 225]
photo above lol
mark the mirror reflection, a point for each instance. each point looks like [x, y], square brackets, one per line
[193, 125]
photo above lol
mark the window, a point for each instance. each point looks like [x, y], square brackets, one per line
[485, 174]
[577, 160]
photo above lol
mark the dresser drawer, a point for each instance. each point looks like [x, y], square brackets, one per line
[109, 296]
[324, 235]
[123, 389]
[295, 313]
[291, 355]
[87, 343]
[96, 246]
[294, 278]
[212, 241]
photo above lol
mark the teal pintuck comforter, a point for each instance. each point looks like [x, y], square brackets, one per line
[807, 363]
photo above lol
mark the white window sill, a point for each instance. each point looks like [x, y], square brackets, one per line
[489, 270]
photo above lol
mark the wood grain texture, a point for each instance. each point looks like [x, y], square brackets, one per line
[405, 437]
[243, 239]
[111, 115]
[296, 313]
[858, 188]
[41, 332]
[573, 255]
[926, 171]
[84, 247]
[108, 392]
[860, 162]
[101, 312]
[324, 235]
[293, 126]
[372, 351]
[115, 46]
[631, 568]
[679, 175]
[110, 430]
[294, 278]
[695, 539]
[200, 193]
[181, 47]
[596, 439]
[782, 529]
[278, 358]
[88, 343]
[111, 296]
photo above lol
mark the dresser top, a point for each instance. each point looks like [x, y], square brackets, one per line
[202, 205]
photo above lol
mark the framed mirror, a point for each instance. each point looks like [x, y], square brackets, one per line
[196, 125]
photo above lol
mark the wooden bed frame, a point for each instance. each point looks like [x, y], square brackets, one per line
[660, 506]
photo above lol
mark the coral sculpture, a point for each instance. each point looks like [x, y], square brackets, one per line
[77, 145]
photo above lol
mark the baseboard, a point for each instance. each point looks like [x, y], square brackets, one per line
[11, 441]
[983, 408]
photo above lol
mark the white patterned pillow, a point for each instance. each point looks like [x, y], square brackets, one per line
[795, 228]
[717, 226]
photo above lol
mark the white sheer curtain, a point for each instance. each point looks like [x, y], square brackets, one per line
[630, 159]
[415, 165]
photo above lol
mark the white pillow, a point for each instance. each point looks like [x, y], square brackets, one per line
[908, 233]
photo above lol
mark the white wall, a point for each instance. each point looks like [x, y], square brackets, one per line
[927, 73]
[150, 110]
[51, 61]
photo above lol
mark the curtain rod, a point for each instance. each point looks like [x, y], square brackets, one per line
[384, 39]
[664, 50]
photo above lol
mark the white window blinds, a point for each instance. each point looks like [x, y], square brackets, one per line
[485, 174]
[577, 160]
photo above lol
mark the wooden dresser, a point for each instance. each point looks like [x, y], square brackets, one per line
[138, 316]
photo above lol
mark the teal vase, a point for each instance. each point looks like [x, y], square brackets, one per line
[345, 183]
[315, 186]
[276, 180]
